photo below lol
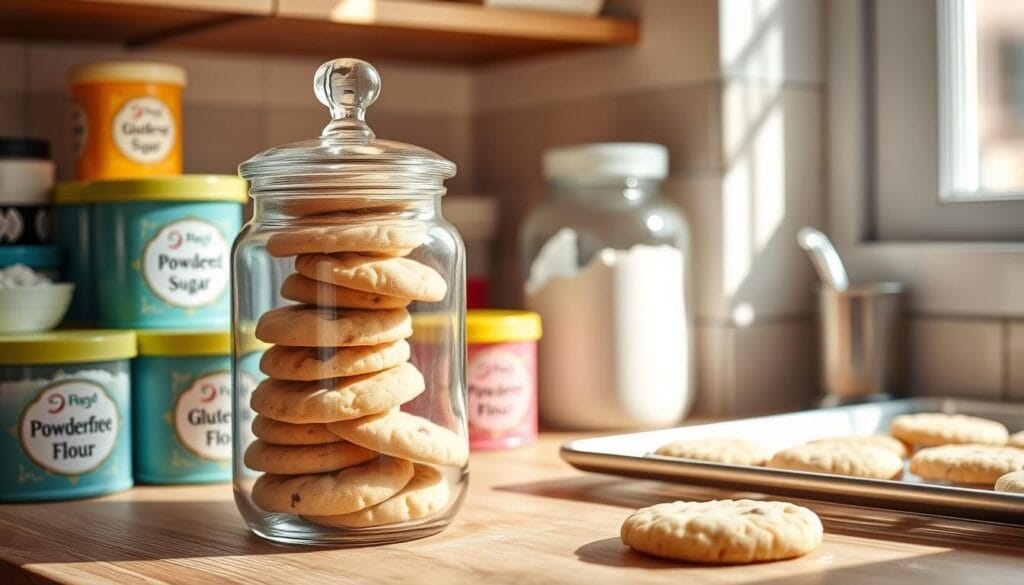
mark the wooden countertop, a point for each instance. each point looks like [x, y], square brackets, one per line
[528, 518]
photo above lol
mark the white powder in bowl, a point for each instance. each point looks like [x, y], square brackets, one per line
[21, 276]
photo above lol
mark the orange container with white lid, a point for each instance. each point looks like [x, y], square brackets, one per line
[127, 119]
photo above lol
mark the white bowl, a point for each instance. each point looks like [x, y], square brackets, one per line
[34, 308]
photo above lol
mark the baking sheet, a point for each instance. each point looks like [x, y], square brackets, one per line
[631, 455]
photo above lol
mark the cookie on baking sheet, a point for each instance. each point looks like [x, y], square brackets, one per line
[723, 531]
[396, 277]
[307, 326]
[304, 459]
[1012, 482]
[883, 441]
[932, 429]
[405, 435]
[840, 459]
[1016, 440]
[282, 433]
[319, 363]
[719, 450]
[322, 294]
[424, 495]
[339, 492]
[381, 238]
[966, 463]
[337, 399]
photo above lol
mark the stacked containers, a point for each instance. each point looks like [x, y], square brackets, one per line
[71, 212]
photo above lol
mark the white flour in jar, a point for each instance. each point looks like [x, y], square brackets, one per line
[615, 350]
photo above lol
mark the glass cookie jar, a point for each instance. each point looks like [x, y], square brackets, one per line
[351, 439]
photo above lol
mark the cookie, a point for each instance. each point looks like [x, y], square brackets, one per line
[303, 459]
[405, 435]
[934, 429]
[339, 492]
[318, 363]
[1012, 482]
[387, 239]
[885, 442]
[282, 433]
[731, 451]
[723, 531]
[1016, 440]
[840, 459]
[966, 463]
[340, 206]
[306, 326]
[306, 290]
[395, 277]
[337, 399]
[426, 494]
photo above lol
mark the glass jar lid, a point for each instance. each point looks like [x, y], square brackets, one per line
[347, 153]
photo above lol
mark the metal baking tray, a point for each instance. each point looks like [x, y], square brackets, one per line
[632, 455]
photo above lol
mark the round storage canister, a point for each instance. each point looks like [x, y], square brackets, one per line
[248, 375]
[26, 175]
[65, 400]
[181, 384]
[163, 247]
[359, 441]
[71, 214]
[127, 119]
[501, 375]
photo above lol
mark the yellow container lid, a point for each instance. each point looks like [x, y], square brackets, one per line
[174, 343]
[129, 71]
[496, 326]
[70, 192]
[228, 188]
[67, 347]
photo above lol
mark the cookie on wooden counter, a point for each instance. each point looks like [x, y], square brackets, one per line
[380, 238]
[840, 459]
[323, 294]
[308, 326]
[1012, 482]
[319, 363]
[723, 531]
[340, 492]
[405, 435]
[394, 277]
[932, 429]
[339, 399]
[1016, 440]
[305, 459]
[719, 450]
[282, 433]
[426, 494]
[883, 441]
[973, 464]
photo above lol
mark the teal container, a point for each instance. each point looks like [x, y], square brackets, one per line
[182, 407]
[163, 248]
[71, 214]
[65, 408]
[247, 376]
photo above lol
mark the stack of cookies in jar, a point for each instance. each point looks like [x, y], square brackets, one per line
[333, 443]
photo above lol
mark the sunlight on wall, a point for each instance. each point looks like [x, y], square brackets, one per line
[355, 10]
[751, 40]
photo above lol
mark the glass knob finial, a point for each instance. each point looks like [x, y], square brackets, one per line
[347, 87]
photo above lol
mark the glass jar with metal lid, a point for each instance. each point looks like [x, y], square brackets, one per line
[357, 440]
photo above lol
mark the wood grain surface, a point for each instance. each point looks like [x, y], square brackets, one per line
[529, 518]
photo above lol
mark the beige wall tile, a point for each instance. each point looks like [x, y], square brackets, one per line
[49, 117]
[215, 79]
[773, 41]
[218, 138]
[1015, 360]
[961, 358]
[715, 380]
[775, 367]
[12, 115]
[49, 63]
[12, 64]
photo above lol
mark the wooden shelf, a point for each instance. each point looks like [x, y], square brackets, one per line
[400, 29]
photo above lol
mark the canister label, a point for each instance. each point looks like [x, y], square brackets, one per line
[202, 416]
[500, 390]
[70, 428]
[144, 130]
[186, 263]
